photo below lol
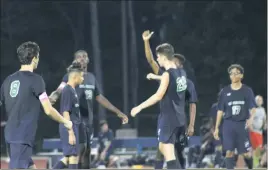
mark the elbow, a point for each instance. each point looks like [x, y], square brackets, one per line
[158, 98]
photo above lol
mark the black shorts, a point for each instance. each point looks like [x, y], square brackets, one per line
[168, 134]
[85, 134]
[20, 155]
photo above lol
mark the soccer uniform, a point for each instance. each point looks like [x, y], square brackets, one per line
[87, 92]
[69, 103]
[236, 105]
[171, 120]
[20, 95]
[103, 138]
[256, 137]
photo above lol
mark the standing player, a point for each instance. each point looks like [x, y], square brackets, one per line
[69, 108]
[191, 98]
[190, 95]
[21, 94]
[171, 93]
[235, 103]
[87, 92]
[259, 124]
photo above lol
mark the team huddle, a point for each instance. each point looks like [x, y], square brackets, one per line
[24, 91]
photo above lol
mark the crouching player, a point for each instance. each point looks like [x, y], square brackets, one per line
[69, 108]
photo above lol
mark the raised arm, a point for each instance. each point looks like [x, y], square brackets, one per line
[148, 53]
[54, 96]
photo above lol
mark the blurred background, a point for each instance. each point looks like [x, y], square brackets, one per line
[210, 34]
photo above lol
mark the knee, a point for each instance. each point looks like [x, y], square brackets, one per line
[229, 154]
[73, 160]
[65, 160]
[247, 155]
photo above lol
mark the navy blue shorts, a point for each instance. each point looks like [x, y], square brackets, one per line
[235, 136]
[67, 149]
[168, 134]
[20, 156]
[85, 134]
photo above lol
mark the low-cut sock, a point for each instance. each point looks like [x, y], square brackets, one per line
[59, 165]
[229, 162]
[158, 164]
[173, 164]
[73, 166]
[249, 162]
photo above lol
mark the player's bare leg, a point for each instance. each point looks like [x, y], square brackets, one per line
[168, 150]
[62, 164]
[33, 167]
[73, 162]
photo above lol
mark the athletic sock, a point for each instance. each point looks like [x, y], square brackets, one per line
[73, 166]
[174, 164]
[249, 162]
[158, 164]
[229, 162]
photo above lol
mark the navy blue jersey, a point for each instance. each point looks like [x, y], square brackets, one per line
[213, 112]
[20, 97]
[191, 95]
[236, 103]
[87, 92]
[69, 103]
[105, 137]
[172, 105]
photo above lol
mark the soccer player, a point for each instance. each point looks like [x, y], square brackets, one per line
[237, 107]
[21, 94]
[191, 98]
[259, 124]
[171, 95]
[190, 95]
[87, 92]
[69, 108]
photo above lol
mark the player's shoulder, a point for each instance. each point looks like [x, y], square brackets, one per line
[225, 90]
[246, 87]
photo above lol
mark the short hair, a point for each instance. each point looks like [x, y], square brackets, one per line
[27, 51]
[102, 122]
[166, 50]
[75, 67]
[180, 57]
[82, 54]
[237, 66]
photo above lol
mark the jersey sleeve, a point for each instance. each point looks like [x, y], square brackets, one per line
[97, 89]
[160, 71]
[39, 87]
[66, 101]
[2, 95]
[251, 99]
[221, 101]
[191, 92]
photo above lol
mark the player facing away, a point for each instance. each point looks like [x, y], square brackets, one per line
[69, 108]
[21, 95]
[237, 107]
[191, 98]
[87, 92]
[256, 132]
[171, 95]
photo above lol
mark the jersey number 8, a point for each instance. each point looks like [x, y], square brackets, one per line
[14, 88]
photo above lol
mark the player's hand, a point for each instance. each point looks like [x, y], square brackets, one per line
[150, 76]
[72, 140]
[52, 101]
[146, 35]
[69, 125]
[190, 130]
[102, 155]
[216, 134]
[124, 118]
[135, 111]
[249, 123]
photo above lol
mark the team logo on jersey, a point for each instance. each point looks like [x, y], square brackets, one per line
[181, 84]
[89, 94]
[14, 88]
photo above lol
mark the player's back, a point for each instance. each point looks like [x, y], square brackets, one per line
[172, 106]
[22, 106]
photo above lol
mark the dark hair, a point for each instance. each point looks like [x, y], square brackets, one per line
[75, 67]
[237, 66]
[180, 57]
[102, 122]
[166, 50]
[27, 51]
